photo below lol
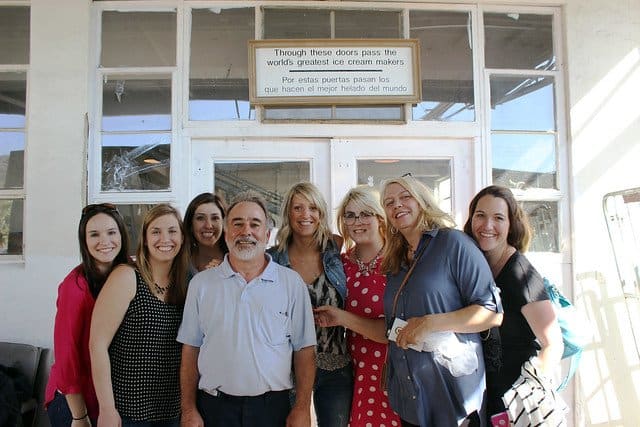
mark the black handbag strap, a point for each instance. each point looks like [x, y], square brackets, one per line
[406, 276]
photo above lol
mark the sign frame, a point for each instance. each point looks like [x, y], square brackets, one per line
[258, 70]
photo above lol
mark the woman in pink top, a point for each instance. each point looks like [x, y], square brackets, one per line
[70, 398]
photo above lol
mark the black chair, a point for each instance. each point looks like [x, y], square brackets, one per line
[26, 359]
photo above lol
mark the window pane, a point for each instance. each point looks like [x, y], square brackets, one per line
[135, 161]
[14, 35]
[11, 213]
[297, 24]
[622, 213]
[543, 217]
[13, 95]
[131, 103]
[11, 160]
[446, 65]
[434, 173]
[298, 113]
[218, 80]
[138, 39]
[522, 103]
[270, 179]
[524, 161]
[520, 41]
[367, 24]
[389, 112]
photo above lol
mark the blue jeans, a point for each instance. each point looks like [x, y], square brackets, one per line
[332, 395]
[163, 423]
[59, 412]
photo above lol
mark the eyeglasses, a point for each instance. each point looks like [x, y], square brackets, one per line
[99, 207]
[364, 217]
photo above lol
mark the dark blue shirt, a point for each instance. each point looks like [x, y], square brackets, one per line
[451, 274]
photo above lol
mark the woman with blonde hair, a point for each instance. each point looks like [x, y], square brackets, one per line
[437, 282]
[134, 353]
[361, 221]
[305, 244]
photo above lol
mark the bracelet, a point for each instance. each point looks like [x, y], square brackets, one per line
[81, 418]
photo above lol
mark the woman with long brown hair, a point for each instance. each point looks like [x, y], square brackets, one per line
[70, 397]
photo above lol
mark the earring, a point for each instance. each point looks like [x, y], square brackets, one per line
[393, 230]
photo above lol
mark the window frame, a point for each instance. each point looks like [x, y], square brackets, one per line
[95, 194]
[19, 193]
[561, 195]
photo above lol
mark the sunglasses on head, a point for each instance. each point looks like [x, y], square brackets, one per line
[99, 207]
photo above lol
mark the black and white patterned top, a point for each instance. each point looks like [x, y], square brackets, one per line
[145, 358]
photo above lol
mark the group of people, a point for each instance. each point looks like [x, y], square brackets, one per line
[209, 327]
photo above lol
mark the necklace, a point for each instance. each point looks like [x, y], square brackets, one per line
[161, 289]
[368, 268]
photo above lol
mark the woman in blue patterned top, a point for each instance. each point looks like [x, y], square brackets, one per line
[134, 353]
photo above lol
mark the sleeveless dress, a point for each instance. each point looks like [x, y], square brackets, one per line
[145, 358]
[370, 406]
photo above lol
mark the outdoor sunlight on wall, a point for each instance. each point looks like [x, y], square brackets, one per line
[606, 111]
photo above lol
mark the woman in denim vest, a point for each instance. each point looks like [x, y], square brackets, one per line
[305, 244]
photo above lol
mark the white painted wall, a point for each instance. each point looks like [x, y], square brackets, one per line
[603, 52]
[54, 181]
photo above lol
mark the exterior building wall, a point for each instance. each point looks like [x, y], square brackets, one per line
[603, 54]
[55, 161]
[602, 40]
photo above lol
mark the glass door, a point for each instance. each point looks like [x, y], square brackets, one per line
[271, 167]
[445, 166]
[268, 167]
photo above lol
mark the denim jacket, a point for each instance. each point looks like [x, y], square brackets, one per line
[331, 262]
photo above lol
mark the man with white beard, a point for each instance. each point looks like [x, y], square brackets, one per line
[244, 323]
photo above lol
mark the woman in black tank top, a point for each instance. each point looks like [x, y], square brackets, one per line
[134, 353]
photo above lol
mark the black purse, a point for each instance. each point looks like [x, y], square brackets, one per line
[492, 349]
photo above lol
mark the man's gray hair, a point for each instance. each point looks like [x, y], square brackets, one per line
[253, 197]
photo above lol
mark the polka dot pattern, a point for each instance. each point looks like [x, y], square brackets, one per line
[145, 358]
[370, 406]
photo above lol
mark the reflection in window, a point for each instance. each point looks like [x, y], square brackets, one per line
[11, 216]
[446, 65]
[524, 161]
[270, 179]
[434, 173]
[218, 79]
[297, 24]
[136, 103]
[133, 216]
[543, 218]
[367, 24]
[11, 160]
[321, 24]
[522, 103]
[14, 35]
[622, 213]
[13, 91]
[136, 138]
[136, 161]
[138, 39]
[519, 41]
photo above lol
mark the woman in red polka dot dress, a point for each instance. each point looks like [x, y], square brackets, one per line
[361, 222]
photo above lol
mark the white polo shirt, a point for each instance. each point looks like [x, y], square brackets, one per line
[247, 332]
